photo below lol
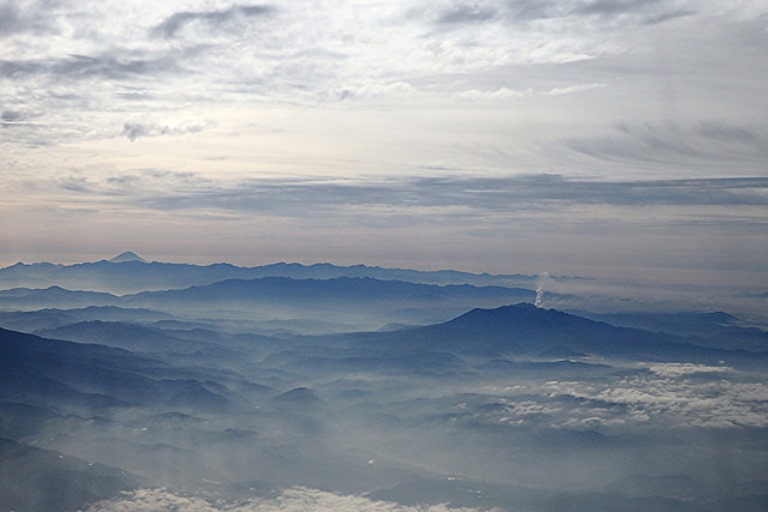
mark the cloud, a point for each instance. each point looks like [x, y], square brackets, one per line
[109, 67]
[467, 14]
[133, 186]
[618, 12]
[680, 369]
[15, 118]
[678, 396]
[10, 18]
[505, 92]
[298, 499]
[706, 143]
[648, 11]
[431, 196]
[391, 54]
[19, 68]
[664, 395]
[19, 16]
[9, 116]
[212, 19]
[134, 130]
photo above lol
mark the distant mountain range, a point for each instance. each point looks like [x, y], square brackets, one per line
[129, 273]
[355, 303]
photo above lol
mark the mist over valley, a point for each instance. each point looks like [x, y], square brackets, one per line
[345, 391]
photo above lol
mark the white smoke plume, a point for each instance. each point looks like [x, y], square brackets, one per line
[543, 277]
[299, 499]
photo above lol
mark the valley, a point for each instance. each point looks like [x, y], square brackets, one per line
[465, 396]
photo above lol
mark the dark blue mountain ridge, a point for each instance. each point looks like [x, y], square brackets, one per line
[341, 288]
[44, 371]
[525, 330]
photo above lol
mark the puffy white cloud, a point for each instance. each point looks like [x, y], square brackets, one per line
[670, 396]
[664, 395]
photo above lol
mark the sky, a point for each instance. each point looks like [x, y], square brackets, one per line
[589, 137]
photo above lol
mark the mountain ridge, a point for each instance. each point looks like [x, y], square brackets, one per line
[362, 285]
[523, 329]
[129, 273]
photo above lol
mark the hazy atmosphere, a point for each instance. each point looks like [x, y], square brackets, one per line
[593, 137]
[384, 255]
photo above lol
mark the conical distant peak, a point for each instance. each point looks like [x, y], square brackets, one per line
[127, 256]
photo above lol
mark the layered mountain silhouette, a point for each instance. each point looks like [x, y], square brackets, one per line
[129, 272]
[330, 305]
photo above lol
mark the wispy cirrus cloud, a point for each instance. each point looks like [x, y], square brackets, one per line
[707, 143]
[510, 194]
[620, 12]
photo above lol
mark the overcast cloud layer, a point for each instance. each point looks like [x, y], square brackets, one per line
[492, 135]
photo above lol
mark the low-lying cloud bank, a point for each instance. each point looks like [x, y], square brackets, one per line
[297, 499]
